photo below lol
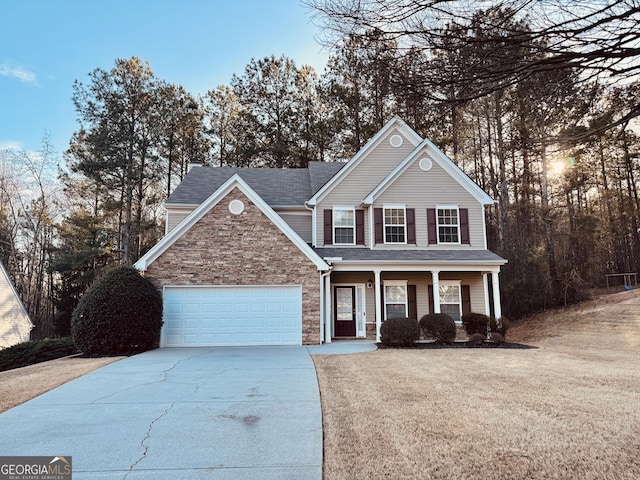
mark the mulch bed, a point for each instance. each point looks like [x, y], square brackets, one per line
[437, 346]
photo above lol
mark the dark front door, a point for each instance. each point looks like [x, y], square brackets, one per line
[344, 306]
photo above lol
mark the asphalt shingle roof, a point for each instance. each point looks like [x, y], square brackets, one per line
[433, 256]
[287, 186]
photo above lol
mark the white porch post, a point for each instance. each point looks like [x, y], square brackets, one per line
[435, 277]
[327, 309]
[322, 322]
[485, 283]
[495, 283]
[378, 304]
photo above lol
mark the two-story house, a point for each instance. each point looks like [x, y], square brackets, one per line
[303, 256]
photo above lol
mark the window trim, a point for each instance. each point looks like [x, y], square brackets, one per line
[452, 283]
[333, 224]
[458, 226]
[396, 283]
[384, 223]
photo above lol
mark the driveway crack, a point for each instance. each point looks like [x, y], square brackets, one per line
[143, 443]
[165, 377]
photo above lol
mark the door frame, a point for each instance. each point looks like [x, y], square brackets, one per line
[360, 299]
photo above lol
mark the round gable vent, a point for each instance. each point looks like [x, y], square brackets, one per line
[425, 164]
[236, 207]
[395, 141]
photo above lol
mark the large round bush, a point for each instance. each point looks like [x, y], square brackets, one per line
[120, 314]
[440, 326]
[399, 332]
[475, 323]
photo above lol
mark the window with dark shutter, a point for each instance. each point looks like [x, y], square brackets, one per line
[344, 226]
[432, 230]
[411, 226]
[466, 299]
[328, 227]
[395, 225]
[464, 226]
[448, 225]
[412, 300]
[378, 224]
[359, 227]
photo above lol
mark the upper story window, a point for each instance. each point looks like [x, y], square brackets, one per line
[448, 224]
[344, 226]
[394, 225]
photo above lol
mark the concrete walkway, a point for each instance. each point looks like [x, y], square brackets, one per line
[216, 413]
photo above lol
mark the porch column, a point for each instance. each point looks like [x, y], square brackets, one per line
[495, 283]
[378, 303]
[485, 282]
[435, 277]
[327, 309]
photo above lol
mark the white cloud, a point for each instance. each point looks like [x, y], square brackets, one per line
[17, 72]
[10, 145]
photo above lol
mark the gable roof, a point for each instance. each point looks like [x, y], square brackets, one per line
[443, 161]
[15, 323]
[234, 182]
[397, 123]
[276, 186]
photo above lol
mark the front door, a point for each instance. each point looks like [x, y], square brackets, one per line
[344, 306]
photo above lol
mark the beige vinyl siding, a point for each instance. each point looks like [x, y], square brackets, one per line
[474, 280]
[421, 190]
[422, 281]
[364, 177]
[15, 325]
[300, 222]
[175, 215]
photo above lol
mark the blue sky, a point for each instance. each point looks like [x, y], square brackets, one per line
[45, 45]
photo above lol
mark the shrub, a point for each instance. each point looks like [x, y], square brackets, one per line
[119, 314]
[475, 323]
[399, 332]
[496, 338]
[35, 351]
[439, 326]
[500, 326]
[477, 339]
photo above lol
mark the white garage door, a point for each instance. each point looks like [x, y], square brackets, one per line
[246, 315]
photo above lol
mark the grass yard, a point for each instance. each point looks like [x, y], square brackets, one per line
[567, 409]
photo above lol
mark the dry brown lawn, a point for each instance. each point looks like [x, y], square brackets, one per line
[22, 384]
[567, 409]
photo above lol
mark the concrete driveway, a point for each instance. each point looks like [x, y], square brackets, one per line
[179, 413]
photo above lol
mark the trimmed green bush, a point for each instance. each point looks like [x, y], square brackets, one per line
[500, 326]
[399, 332]
[477, 339]
[496, 338]
[36, 351]
[120, 314]
[439, 326]
[475, 323]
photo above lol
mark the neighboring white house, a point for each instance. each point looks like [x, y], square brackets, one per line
[15, 324]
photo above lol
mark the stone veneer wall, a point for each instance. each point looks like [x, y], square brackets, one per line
[246, 249]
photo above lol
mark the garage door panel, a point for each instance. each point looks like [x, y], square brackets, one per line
[243, 315]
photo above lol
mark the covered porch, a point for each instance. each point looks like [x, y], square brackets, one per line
[359, 295]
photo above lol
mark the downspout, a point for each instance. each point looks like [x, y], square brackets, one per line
[325, 327]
